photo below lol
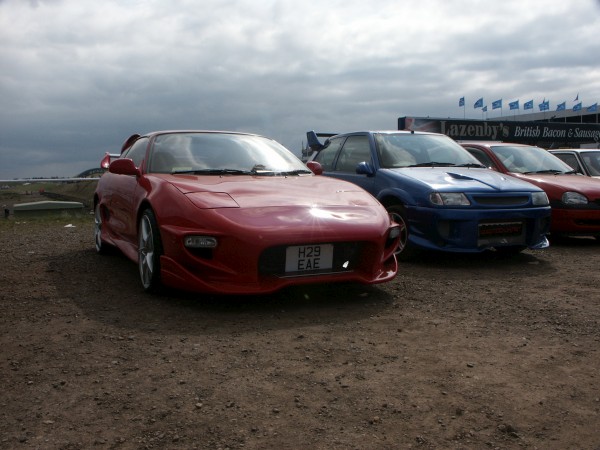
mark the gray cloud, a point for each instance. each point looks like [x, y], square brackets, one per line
[79, 77]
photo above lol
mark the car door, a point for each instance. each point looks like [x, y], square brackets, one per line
[122, 204]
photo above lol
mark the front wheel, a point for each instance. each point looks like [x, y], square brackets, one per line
[405, 250]
[149, 251]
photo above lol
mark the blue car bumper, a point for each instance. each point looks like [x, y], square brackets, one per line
[475, 230]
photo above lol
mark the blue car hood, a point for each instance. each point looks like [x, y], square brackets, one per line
[463, 179]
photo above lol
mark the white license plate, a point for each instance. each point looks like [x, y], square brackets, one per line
[302, 258]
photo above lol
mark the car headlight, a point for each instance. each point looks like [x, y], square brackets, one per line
[574, 198]
[449, 199]
[540, 199]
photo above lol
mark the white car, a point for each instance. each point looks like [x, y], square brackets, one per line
[585, 161]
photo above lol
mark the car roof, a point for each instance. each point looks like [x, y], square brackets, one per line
[155, 133]
[389, 132]
[577, 150]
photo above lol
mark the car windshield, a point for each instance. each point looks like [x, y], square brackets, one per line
[421, 150]
[529, 159]
[222, 153]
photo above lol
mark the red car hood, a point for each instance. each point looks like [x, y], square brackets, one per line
[269, 191]
[563, 183]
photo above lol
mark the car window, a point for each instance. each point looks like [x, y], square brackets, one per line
[187, 152]
[528, 159]
[326, 156]
[137, 151]
[592, 162]
[408, 149]
[570, 159]
[482, 157]
[356, 150]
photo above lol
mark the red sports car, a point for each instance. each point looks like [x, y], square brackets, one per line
[575, 199]
[237, 213]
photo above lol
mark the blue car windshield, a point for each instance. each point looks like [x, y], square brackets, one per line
[528, 159]
[419, 150]
[219, 153]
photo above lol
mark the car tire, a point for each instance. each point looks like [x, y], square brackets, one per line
[405, 250]
[149, 252]
[101, 246]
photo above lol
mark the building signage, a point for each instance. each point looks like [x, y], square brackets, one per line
[526, 132]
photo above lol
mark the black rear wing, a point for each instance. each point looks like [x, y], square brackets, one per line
[314, 143]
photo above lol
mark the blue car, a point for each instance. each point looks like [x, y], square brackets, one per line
[442, 197]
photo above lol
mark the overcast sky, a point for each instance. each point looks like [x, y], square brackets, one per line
[77, 77]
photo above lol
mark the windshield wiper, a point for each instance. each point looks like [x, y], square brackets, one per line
[295, 172]
[552, 171]
[471, 165]
[432, 164]
[212, 172]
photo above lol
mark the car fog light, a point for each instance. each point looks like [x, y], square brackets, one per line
[200, 242]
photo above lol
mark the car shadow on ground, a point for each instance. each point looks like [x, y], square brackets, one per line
[488, 259]
[108, 290]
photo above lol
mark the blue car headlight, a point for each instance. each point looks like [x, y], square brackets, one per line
[539, 199]
[449, 199]
[574, 198]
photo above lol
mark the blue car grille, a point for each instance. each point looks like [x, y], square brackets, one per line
[492, 200]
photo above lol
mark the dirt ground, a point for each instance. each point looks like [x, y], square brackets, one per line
[459, 351]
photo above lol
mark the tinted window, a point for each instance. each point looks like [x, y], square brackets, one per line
[592, 161]
[356, 150]
[571, 160]
[482, 157]
[326, 156]
[137, 151]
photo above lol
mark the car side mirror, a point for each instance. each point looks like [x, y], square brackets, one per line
[364, 168]
[315, 167]
[123, 166]
[105, 161]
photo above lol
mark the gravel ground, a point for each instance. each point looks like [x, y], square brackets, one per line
[459, 351]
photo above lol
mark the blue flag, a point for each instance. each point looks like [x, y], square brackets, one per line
[545, 105]
[592, 108]
[484, 108]
[528, 105]
[497, 104]
[461, 101]
[478, 103]
[561, 106]
[577, 107]
[514, 105]
[576, 98]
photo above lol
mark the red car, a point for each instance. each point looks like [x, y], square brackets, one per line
[236, 213]
[575, 199]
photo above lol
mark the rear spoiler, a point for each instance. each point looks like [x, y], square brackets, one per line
[109, 156]
[313, 140]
